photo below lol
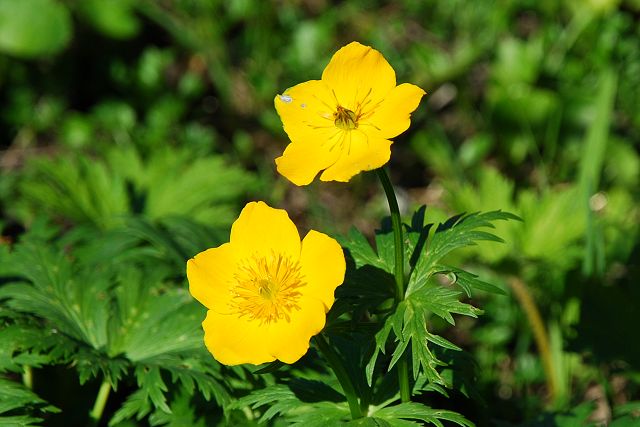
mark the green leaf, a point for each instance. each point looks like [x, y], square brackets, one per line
[182, 414]
[467, 281]
[627, 408]
[442, 302]
[92, 364]
[109, 318]
[76, 188]
[114, 18]
[381, 338]
[17, 398]
[591, 167]
[395, 415]
[17, 339]
[200, 371]
[414, 331]
[104, 193]
[362, 252]
[152, 386]
[320, 414]
[76, 302]
[137, 404]
[301, 402]
[461, 231]
[280, 399]
[32, 28]
[160, 325]
[204, 188]
[458, 232]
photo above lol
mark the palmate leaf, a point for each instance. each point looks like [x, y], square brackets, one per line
[76, 187]
[182, 414]
[283, 402]
[157, 336]
[399, 415]
[108, 320]
[320, 414]
[91, 363]
[75, 301]
[173, 239]
[18, 336]
[138, 405]
[364, 267]
[104, 192]
[279, 399]
[200, 372]
[362, 252]
[425, 296]
[457, 232]
[465, 280]
[205, 188]
[18, 402]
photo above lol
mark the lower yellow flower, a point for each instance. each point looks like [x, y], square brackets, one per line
[267, 292]
[343, 124]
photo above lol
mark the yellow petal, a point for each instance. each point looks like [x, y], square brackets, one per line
[210, 274]
[289, 340]
[363, 151]
[392, 116]
[262, 230]
[234, 340]
[354, 71]
[301, 161]
[306, 111]
[323, 266]
[306, 107]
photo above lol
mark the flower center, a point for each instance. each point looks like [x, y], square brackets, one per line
[345, 119]
[267, 288]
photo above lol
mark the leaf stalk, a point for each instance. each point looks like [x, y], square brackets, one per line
[101, 401]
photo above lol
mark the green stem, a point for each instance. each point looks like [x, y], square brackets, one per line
[101, 401]
[398, 272]
[342, 375]
[540, 335]
[396, 224]
[27, 377]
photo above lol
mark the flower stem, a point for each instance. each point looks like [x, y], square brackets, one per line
[342, 375]
[396, 224]
[398, 272]
[101, 401]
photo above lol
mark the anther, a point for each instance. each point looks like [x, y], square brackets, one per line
[345, 119]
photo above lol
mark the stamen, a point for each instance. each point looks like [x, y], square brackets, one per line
[267, 288]
[345, 119]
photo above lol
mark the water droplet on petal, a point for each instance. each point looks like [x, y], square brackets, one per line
[303, 105]
[285, 98]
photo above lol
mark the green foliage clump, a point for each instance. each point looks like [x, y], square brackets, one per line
[132, 131]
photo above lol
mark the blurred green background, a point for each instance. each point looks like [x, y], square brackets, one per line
[155, 119]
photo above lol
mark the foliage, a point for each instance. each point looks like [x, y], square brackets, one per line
[108, 320]
[131, 132]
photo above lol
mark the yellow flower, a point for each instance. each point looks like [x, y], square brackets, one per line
[343, 123]
[267, 292]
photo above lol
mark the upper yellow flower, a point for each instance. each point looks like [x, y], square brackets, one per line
[267, 292]
[342, 123]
